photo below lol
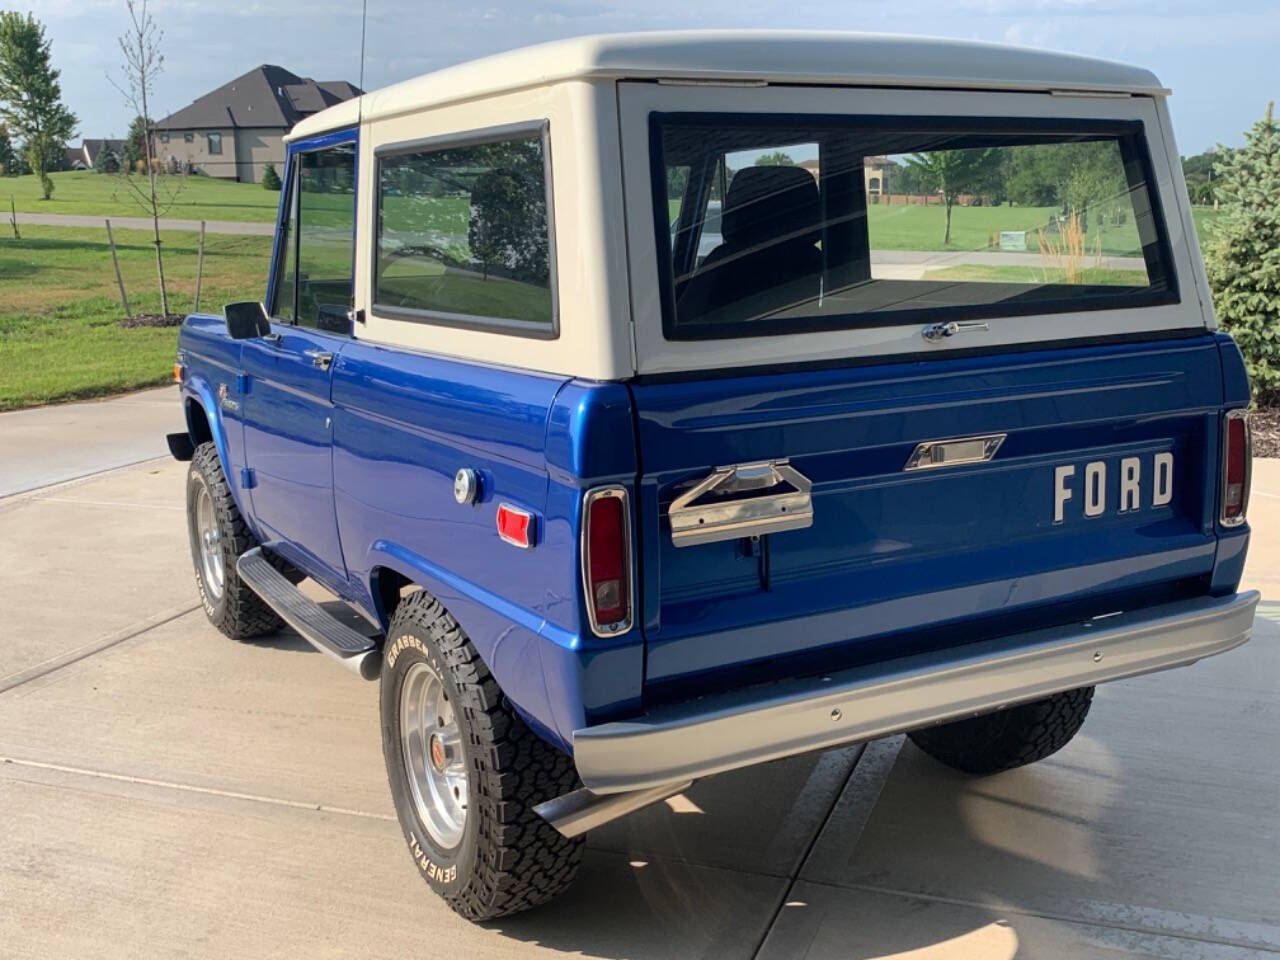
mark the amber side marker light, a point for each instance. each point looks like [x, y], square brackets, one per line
[1237, 461]
[178, 371]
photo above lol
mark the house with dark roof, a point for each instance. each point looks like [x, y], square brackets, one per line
[85, 156]
[236, 130]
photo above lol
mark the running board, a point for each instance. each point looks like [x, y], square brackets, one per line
[574, 813]
[308, 618]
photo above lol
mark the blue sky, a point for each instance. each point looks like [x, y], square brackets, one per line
[1222, 59]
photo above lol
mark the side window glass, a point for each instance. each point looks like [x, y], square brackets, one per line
[282, 307]
[464, 236]
[326, 237]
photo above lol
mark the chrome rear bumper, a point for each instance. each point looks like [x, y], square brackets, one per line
[673, 745]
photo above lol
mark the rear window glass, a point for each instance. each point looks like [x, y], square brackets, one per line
[778, 225]
[463, 235]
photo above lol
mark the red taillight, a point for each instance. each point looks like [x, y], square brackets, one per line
[606, 560]
[1236, 456]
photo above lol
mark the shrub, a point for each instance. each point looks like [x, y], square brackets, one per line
[270, 179]
[1243, 253]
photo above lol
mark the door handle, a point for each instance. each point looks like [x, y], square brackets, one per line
[319, 358]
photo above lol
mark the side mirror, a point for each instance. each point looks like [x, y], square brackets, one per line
[246, 320]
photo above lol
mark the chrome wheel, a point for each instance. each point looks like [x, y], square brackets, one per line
[431, 742]
[210, 540]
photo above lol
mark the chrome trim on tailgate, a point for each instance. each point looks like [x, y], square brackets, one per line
[745, 727]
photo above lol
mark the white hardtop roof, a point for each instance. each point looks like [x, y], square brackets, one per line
[832, 58]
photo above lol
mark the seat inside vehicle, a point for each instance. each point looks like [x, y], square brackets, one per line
[769, 256]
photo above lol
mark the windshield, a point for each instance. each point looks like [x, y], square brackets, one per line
[785, 224]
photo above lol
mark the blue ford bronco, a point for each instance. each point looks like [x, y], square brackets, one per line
[672, 403]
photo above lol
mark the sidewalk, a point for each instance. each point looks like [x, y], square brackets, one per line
[144, 223]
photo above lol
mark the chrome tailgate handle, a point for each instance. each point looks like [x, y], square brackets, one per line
[716, 519]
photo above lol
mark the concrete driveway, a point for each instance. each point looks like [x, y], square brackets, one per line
[165, 792]
[67, 441]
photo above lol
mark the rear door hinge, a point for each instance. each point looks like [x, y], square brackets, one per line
[248, 480]
[242, 383]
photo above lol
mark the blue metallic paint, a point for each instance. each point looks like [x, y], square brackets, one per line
[288, 439]
[404, 424]
[890, 555]
[212, 361]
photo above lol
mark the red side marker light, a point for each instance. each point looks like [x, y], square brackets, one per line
[515, 526]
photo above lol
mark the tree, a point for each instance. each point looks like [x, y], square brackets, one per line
[143, 61]
[775, 159]
[905, 179]
[270, 179]
[106, 161]
[953, 172]
[31, 96]
[507, 228]
[8, 156]
[135, 145]
[1243, 253]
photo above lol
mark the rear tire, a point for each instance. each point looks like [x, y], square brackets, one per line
[452, 740]
[1009, 738]
[219, 536]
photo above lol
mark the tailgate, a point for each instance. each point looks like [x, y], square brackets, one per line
[1101, 484]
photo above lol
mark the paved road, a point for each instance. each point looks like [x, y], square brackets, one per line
[144, 223]
[990, 258]
[63, 442]
[165, 792]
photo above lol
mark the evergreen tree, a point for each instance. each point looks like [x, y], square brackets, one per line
[1243, 254]
[9, 164]
[270, 179]
[135, 145]
[30, 95]
[106, 161]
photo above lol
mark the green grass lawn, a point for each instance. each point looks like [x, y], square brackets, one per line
[973, 228]
[981, 273]
[97, 194]
[60, 337]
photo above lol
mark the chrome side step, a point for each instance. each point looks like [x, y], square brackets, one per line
[318, 628]
[573, 814]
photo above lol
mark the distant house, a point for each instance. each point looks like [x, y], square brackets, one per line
[236, 130]
[875, 173]
[91, 149]
[85, 156]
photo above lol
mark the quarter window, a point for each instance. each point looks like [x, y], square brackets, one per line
[788, 224]
[463, 235]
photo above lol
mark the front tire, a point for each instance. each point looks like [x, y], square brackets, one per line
[1008, 738]
[219, 536]
[466, 771]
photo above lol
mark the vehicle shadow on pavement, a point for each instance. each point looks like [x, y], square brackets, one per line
[1121, 843]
